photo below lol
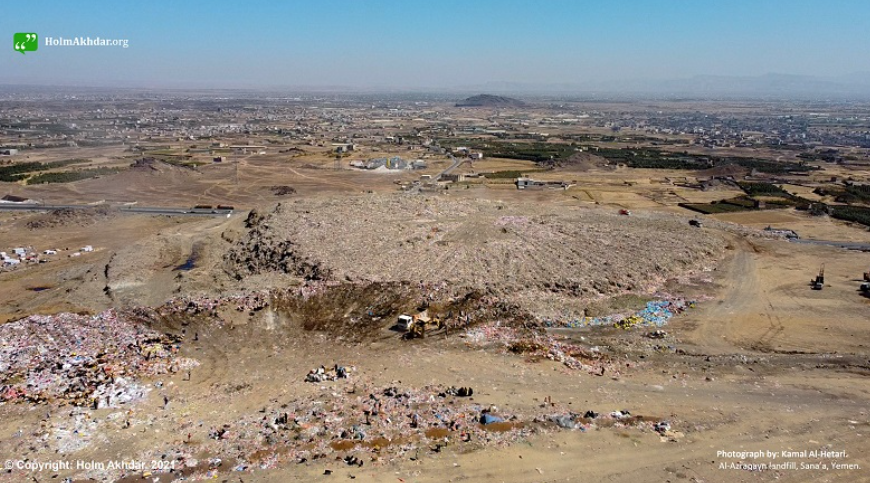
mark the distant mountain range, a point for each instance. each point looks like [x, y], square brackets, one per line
[855, 85]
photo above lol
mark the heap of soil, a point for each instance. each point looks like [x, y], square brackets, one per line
[283, 190]
[70, 217]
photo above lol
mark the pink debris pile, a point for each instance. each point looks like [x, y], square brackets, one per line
[82, 360]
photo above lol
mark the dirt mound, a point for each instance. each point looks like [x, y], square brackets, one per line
[69, 217]
[283, 190]
[294, 151]
[156, 166]
[260, 252]
[545, 259]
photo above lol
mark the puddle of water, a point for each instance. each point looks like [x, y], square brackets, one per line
[188, 265]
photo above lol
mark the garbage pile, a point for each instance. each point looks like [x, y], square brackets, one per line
[322, 374]
[364, 425]
[657, 313]
[82, 360]
[620, 419]
[538, 345]
[250, 302]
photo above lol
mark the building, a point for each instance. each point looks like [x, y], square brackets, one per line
[452, 178]
[390, 163]
[243, 149]
[343, 147]
[528, 183]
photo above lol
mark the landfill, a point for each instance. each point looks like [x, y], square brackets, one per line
[539, 345]
[656, 313]
[83, 360]
[362, 424]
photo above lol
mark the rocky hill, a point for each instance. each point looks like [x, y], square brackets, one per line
[487, 100]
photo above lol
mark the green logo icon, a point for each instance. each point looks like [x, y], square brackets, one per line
[25, 42]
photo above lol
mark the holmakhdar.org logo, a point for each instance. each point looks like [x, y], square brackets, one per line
[29, 42]
[25, 42]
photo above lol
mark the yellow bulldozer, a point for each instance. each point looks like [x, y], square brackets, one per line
[417, 325]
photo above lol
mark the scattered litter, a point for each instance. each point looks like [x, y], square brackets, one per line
[321, 374]
[537, 344]
[460, 392]
[487, 418]
[657, 313]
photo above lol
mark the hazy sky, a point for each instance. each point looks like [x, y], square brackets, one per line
[434, 43]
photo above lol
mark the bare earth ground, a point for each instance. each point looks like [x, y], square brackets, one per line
[763, 364]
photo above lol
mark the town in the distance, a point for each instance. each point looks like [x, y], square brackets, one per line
[440, 242]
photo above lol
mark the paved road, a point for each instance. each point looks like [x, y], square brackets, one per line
[148, 210]
[848, 245]
[456, 163]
